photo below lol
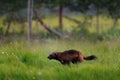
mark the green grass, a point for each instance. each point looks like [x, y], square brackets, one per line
[22, 61]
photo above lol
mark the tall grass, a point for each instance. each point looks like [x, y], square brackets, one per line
[22, 61]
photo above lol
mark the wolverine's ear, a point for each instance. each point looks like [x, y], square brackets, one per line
[55, 54]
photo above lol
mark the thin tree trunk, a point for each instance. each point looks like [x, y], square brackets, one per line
[84, 21]
[97, 21]
[8, 27]
[30, 15]
[60, 18]
[115, 22]
[22, 28]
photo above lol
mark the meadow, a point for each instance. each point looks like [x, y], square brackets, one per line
[22, 61]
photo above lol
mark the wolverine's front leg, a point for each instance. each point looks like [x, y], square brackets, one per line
[65, 62]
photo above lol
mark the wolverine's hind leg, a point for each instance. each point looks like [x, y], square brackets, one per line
[80, 58]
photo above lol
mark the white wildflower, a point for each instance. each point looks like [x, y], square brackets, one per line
[16, 57]
[39, 73]
[3, 52]
[12, 53]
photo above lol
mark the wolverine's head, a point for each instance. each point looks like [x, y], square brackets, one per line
[53, 55]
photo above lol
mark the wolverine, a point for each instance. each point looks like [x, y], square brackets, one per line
[70, 56]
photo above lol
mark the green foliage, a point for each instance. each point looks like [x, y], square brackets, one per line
[112, 33]
[80, 5]
[12, 5]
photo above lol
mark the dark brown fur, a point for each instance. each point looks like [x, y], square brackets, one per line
[69, 56]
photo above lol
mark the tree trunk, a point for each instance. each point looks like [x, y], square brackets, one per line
[72, 19]
[30, 15]
[8, 27]
[97, 21]
[60, 18]
[47, 27]
[23, 28]
[115, 22]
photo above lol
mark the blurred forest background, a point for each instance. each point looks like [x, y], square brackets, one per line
[32, 29]
[69, 19]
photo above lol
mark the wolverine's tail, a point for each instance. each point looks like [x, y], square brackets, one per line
[92, 57]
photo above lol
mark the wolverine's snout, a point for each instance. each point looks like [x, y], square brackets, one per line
[50, 57]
